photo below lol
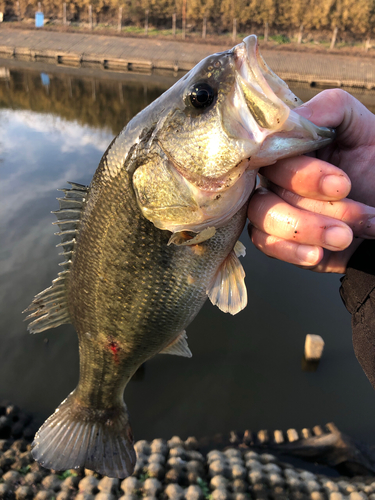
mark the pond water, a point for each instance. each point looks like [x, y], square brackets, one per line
[246, 371]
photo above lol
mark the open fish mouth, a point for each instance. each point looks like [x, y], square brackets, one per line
[263, 104]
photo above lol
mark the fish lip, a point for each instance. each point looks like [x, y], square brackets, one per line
[260, 87]
[269, 82]
[241, 56]
[238, 58]
[327, 132]
[254, 73]
[247, 63]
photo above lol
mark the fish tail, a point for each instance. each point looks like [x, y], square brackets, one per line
[77, 436]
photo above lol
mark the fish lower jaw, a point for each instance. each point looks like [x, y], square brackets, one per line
[285, 145]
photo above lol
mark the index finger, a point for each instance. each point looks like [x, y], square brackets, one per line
[309, 177]
[338, 109]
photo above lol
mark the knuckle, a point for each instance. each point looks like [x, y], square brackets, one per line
[350, 212]
[338, 96]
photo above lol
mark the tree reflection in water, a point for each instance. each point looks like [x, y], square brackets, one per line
[99, 103]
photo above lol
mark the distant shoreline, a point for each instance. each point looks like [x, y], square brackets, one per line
[142, 54]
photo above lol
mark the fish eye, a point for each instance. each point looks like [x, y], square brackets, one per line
[201, 95]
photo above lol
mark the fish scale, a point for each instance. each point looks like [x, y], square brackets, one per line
[154, 235]
[155, 302]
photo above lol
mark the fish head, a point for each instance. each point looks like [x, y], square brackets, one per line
[227, 117]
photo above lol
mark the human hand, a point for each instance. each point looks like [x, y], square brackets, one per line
[300, 214]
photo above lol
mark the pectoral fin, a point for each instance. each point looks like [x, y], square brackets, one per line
[178, 347]
[228, 290]
[185, 238]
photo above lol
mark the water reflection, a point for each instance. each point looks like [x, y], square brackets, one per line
[105, 104]
[37, 150]
[245, 371]
[4, 74]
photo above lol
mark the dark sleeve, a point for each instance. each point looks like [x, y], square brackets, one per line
[358, 294]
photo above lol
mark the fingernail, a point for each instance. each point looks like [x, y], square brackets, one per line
[307, 255]
[304, 111]
[335, 186]
[337, 237]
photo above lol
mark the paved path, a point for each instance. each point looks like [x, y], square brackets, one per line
[307, 67]
[186, 55]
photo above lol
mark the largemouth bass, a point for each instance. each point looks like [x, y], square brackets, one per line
[154, 234]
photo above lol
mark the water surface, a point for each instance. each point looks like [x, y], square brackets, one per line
[245, 372]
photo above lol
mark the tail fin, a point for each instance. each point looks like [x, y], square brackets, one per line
[76, 436]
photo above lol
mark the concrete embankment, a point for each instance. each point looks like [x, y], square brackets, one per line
[127, 54]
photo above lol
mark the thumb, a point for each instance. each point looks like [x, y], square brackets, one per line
[336, 108]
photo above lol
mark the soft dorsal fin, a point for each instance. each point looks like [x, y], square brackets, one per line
[179, 347]
[228, 289]
[49, 307]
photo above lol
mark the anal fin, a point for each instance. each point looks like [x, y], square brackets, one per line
[178, 347]
[228, 289]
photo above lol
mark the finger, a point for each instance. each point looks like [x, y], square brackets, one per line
[338, 109]
[359, 217]
[287, 251]
[309, 177]
[336, 262]
[306, 256]
[272, 215]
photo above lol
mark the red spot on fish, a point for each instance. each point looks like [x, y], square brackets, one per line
[114, 348]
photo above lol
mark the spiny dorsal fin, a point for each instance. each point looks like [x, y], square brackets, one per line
[49, 307]
[228, 290]
[179, 347]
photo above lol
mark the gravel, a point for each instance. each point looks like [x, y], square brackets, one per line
[166, 470]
